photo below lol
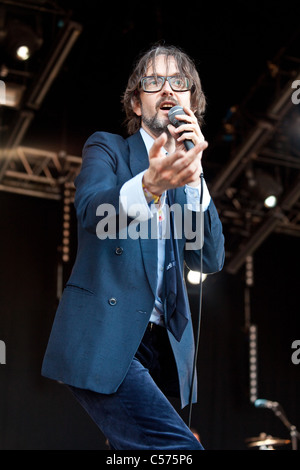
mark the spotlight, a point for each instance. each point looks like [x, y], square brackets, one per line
[21, 41]
[194, 277]
[23, 52]
[268, 188]
[270, 201]
[264, 187]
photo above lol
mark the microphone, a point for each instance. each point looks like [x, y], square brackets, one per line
[171, 115]
[262, 403]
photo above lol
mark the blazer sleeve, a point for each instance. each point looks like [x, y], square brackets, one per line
[213, 247]
[97, 183]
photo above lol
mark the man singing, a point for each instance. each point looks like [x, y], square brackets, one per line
[122, 339]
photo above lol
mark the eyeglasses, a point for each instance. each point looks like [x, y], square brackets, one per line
[154, 84]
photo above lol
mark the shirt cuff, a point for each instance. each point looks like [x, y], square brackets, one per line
[193, 197]
[133, 200]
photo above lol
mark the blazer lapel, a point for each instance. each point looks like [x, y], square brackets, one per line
[138, 156]
[139, 161]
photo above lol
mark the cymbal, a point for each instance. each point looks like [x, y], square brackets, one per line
[264, 440]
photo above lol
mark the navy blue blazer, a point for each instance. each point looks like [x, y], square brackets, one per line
[108, 299]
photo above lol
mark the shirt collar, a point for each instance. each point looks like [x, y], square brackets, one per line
[148, 140]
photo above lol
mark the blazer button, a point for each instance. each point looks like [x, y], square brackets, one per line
[112, 301]
[119, 250]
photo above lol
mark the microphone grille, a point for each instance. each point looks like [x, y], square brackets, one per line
[173, 112]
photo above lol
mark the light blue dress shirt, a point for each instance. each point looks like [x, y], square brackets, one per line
[132, 196]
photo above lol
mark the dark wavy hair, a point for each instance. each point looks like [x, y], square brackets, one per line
[186, 67]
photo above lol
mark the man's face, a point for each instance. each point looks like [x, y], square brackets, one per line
[154, 107]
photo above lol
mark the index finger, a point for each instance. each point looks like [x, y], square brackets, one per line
[157, 145]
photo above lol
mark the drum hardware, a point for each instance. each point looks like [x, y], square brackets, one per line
[266, 442]
[279, 412]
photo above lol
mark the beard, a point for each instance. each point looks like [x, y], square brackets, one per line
[156, 126]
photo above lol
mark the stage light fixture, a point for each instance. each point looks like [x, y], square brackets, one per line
[268, 188]
[253, 379]
[270, 201]
[195, 276]
[23, 52]
[22, 41]
[264, 187]
[66, 225]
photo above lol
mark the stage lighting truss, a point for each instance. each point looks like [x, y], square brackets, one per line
[38, 172]
[258, 156]
[23, 87]
[44, 37]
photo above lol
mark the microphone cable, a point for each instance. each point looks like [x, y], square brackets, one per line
[197, 339]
